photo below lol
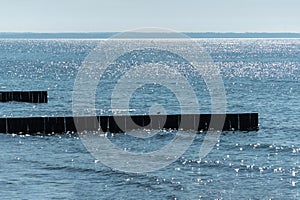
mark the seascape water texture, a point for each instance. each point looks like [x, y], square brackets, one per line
[260, 75]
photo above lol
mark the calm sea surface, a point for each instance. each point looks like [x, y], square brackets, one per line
[259, 75]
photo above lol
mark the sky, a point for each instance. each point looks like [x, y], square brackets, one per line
[123, 15]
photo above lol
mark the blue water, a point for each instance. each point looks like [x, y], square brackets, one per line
[260, 75]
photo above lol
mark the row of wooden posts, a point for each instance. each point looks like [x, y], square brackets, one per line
[118, 124]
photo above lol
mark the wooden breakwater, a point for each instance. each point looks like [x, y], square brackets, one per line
[120, 124]
[24, 96]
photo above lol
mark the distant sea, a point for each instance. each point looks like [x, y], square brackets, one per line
[95, 35]
[260, 71]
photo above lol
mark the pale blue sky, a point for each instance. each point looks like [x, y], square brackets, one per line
[121, 15]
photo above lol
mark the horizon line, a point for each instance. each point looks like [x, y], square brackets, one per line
[106, 35]
[87, 32]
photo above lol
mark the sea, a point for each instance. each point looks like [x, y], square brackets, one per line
[258, 75]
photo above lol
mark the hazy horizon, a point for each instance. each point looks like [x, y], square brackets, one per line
[104, 35]
[87, 32]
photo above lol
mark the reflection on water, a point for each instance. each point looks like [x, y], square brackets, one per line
[259, 76]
